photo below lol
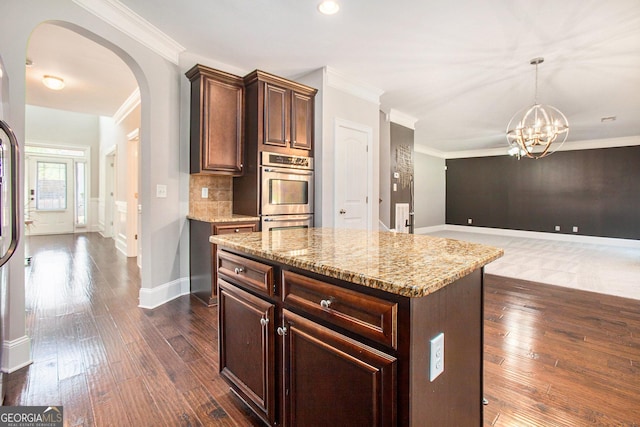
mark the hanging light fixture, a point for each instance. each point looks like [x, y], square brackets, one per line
[533, 129]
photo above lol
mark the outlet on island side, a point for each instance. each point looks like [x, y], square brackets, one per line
[557, 228]
[436, 356]
[469, 220]
[575, 228]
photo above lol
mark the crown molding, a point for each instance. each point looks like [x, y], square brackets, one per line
[402, 119]
[127, 106]
[135, 26]
[418, 148]
[134, 135]
[625, 141]
[356, 88]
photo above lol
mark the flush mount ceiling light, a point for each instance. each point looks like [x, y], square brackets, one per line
[533, 129]
[328, 7]
[53, 82]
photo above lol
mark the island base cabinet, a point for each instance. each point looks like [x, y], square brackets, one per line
[247, 348]
[333, 380]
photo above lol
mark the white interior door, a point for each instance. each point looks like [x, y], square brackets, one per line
[352, 180]
[50, 189]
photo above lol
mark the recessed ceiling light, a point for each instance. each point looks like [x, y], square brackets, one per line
[53, 82]
[28, 63]
[328, 7]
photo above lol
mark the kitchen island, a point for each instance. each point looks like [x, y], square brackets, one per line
[335, 327]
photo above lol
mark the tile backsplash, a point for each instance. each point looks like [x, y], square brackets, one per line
[220, 200]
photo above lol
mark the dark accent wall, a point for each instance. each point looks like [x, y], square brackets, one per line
[400, 135]
[596, 190]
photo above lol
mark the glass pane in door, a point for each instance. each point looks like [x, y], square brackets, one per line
[81, 203]
[51, 186]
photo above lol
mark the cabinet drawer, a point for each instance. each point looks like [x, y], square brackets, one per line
[234, 228]
[244, 271]
[363, 314]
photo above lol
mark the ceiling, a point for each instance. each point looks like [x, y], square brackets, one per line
[96, 80]
[461, 68]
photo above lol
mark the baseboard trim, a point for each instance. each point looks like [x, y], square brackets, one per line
[151, 298]
[607, 241]
[432, 229]
[16, 354]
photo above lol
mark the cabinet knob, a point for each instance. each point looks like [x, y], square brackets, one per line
[237, 230]
[342, 212]
[264, 321]
[325, 303]
[239, 270]
[282, 331]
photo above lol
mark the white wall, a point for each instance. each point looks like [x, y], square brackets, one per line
[158, 80]
[347, 100]
[384, 207]
[429, 191]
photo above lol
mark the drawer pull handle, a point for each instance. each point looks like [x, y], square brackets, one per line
[282, 331]
[237, 230]
[239, 270]
[264, 321]
[325, 303]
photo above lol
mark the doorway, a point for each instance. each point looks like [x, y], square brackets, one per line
[56, 189]
[353, 175]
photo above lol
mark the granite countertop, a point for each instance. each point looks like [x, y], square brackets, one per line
[225, 218]
[405, 264]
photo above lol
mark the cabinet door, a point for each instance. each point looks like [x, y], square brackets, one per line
[246, 347]
[333, 380]
[222, 121]
[301, 121]
[276, 115]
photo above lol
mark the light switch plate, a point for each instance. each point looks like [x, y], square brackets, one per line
[161, 191]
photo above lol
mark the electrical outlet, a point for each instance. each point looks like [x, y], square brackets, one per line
[395, 187]
[557, 228]
[575, 228]
[205, 193]
[436, 358]
[469, 221]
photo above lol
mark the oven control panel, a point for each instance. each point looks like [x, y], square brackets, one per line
[283, 160]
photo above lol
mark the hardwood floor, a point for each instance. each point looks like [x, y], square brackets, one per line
[553, 356]
[560, 357]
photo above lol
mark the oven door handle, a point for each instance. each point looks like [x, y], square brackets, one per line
[299, 218]
[288, 171]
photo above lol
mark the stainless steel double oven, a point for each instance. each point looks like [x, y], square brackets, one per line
[286, 191]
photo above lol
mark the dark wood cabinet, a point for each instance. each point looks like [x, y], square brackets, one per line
[279, 118]
[282, 114]
[203, 275]
[247, 348]
[217, 122]
[334, 378]
[347, 354]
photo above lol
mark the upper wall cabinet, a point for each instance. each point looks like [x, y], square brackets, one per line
[217, 122]
[280, 113]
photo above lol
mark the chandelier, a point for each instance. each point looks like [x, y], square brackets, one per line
[533, 129]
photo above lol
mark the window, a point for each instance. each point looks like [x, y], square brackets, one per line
[51, 186]
[81, 195]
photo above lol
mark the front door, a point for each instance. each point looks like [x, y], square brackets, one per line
[50, 204]
[352, 169]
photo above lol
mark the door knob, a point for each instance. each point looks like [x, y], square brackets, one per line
[342, 212]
